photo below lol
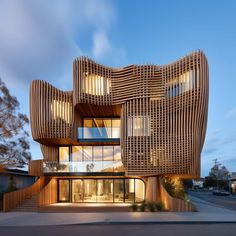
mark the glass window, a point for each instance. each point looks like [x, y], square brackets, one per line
[102, 190]
[129, 190]
[89, 190]
[107, 128]
[118, 190]
[139, 190]
[64, 190]
[97, 153]
[117, 153]
[98, 128]
[116, 128]
[108, 153]
[88, 123]
[88, 153]
[87, 131]
[105, 190]
[77, 190]
[63, 154]
[77, 153]
[138, 126]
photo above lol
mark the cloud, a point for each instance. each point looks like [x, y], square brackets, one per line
[38, 39]
[215, 141]
[101, 44]
[231, 113]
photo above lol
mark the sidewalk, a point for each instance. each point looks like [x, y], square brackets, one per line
[207, 213]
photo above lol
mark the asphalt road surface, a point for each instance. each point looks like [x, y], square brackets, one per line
[227, 202]
[123, 230]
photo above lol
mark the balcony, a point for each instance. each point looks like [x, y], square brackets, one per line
[50, 167]
[99, 134]
[99, 130]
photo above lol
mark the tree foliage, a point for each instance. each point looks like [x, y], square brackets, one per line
[175, 187]
[14, 144]
[218, 176]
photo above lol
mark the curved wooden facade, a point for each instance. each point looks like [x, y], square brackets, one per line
[171, 101]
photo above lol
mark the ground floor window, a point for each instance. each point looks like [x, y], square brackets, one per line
[101, 190]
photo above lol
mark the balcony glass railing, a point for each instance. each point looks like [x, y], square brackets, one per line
[82, 166]
[101, 133]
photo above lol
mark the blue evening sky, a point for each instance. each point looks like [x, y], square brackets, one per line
[40, 39]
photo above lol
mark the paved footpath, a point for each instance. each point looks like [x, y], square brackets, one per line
[207, 213]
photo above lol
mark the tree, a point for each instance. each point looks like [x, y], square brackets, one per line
[218, 176]
[14, 144]
[210, 181]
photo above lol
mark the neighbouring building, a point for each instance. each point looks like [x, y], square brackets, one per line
[120, 130]
[232, 182]
[12, 179]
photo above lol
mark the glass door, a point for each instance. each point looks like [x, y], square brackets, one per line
[77, 190]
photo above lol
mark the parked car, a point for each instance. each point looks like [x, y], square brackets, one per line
[224, 193]
[220, 193]
[216, 192]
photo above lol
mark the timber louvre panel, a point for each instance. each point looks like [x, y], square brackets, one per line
[171, 101]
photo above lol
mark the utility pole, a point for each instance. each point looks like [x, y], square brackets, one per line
[217, 164]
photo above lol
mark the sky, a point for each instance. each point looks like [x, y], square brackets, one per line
[39, 39]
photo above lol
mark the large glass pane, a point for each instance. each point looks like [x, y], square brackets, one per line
[103, 128]
[88, 123]
[116, 128]
[139, 190]
[89, 190]
[105, 190]
[63, 154]
[108, 153]
[107, 129]
[97, 153]
[64, 190]
[117, 153]
[118, 190]
[88, 153]
[87, 130]
[77, 153]
[129, 190]
[77, 190]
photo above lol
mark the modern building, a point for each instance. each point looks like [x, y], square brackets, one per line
[120, 130]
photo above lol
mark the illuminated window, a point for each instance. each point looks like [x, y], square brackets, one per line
[100, 128]
[138, 126]
[64, 194]
[181, 84]
[96, 84]
[63, 154]
[61, 110]
[77, 153]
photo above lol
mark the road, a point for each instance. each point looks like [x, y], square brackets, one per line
[227, 202]
[118, 230]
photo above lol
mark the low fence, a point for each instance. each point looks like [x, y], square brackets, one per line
[175, 204]
[13, 199]
[48, 194]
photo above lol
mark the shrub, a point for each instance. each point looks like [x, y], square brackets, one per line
[142, 206]
[174, 187]
[134, 207]
[151, 206]
[159, 206]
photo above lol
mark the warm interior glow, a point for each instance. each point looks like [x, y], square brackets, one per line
[61, 110]
[96, 84]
